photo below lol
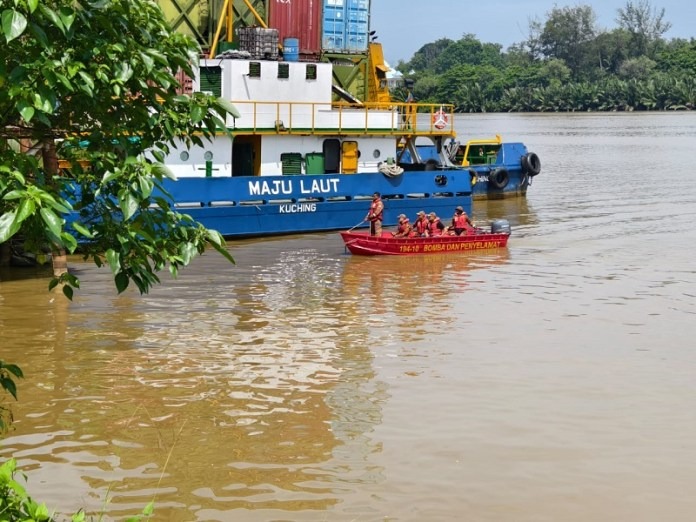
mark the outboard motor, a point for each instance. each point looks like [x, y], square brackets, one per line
[500, 226]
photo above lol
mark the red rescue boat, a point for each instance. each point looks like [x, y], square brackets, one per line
[362, 243]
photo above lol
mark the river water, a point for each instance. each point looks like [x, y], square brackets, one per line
[552, 380]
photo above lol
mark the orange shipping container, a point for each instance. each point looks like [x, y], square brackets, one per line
[299, 19]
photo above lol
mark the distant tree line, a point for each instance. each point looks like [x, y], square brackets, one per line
[566, 64]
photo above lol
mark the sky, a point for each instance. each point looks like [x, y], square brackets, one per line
[404, 26]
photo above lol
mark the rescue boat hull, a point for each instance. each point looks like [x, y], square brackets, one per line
[361, 243]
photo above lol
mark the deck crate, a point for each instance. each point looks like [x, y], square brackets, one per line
[259, 42]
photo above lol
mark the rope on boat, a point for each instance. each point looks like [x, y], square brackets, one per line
[390, 170]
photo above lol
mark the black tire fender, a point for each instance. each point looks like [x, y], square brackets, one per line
[432, 164]
[499, 178]
[531, 164]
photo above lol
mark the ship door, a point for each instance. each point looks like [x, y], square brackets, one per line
[349, 157]
[246, 156]
[332, 156]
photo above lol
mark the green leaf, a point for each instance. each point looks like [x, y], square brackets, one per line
[13, 24]
[61, 206]
[162, 171]
[8, 227]
[129, 205]
[110, 176]
[215, 237]
[188, 252]
[69, 242]
[18, 176]
[82, 229]
[124, 72]
[197, 113]
[9, 385]
[64, 80]
[33, 4]
[13, 369]
[39, 34]
[26, 111]
[149, 509]
[67, 16]
[52, 221]
[121, 281]
[223, 251]
[52, 16]
[146, 186]
[148, 62]
[26, 208]
[15, 194]
[42, 103]
[227, 106]
[68, 292]
[113, 260]
[89, 82]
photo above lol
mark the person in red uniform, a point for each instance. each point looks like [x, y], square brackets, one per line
[405, 228]
[435, 226]
[376, 215]
[461, 224]
[420, 226]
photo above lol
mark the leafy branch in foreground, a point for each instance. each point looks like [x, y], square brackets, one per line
[94, 83]
[8, 374]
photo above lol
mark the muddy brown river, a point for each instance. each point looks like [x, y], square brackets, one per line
[552, 380]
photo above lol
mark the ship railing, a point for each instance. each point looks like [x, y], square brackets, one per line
[330, 118]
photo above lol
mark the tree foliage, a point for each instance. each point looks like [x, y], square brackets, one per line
[94, 83]
[568, 35]
[644, 23]
[566, 64]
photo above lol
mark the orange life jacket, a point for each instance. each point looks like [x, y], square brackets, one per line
[379, 216]
[404, 228]
[433, 227]
[421, 226]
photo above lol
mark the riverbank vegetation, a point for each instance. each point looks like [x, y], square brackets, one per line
[566, 64]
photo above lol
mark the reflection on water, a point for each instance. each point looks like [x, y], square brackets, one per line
[307, 384]
[518, 211]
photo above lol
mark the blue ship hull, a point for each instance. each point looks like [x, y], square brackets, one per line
[503, 174]
[271, 205]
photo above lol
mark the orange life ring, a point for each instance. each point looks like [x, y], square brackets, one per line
[440, 119]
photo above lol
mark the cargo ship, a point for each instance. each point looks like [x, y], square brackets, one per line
[309, 144]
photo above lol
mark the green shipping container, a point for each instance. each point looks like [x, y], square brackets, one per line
[314, 163]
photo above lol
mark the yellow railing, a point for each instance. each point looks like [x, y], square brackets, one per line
[303, 118]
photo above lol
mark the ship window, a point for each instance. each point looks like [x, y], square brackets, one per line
[255, 69]
[284, 70]
[291, 163]
[211, 80]
[311, 72]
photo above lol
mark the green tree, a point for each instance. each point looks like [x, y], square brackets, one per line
[568, 35]
[555, 73]
[425, 57]
[637, 68]
[644, 23]
[468, 51]
[93, 81]
[678, 57]
[611, 49]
